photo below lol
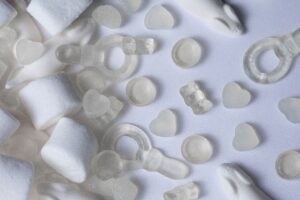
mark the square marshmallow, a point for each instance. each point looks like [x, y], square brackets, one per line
[7, 13]
[8, 125]
[15, 178]
[57, 15]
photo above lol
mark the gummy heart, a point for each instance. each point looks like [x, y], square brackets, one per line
[28, 51]
[165, 125]
[234, 96]
[246, 138]
[159, 17]
[290, 107]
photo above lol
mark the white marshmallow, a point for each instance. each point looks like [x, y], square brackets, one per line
[15, 178]
[7, 13]
[8, 125]
[48, 99]
[56, 15]
[70, 149]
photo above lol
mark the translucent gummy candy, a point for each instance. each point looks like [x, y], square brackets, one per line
[234, 96]
[188, 191]
[108, 16]
[28, 51]
[97, 56]
[132, 5]
[288, 165]
[124, 189]
[107, 165]
[159, 17]
[246, 137]
[187, 53]
[156, 161]
[165, 125]
[139, 45]
[290, 107]
[286, 48]
[8, 35]
[197, 149]
[95, 104]
[238, 185]
[141, 91]
[195, 98]
[90, 78]
[3, 68]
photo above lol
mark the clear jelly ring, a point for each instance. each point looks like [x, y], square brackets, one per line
[251, 57]
[130, 61]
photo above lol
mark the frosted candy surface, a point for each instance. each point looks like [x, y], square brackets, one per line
[124, 189]
[108, 16]
[187, 53]
[290, 107]
[141, 91]
[139, 46]
[165, 125]
[90, 78]
[132, 5]
[197, 149]
[288, 165]
[95, 104]
[234, 96]
[246, 137]
[159, 17]
[189, 191]
[28, 51]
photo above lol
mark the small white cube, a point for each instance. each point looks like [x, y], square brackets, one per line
[7, 13]
[48, 99]
[56, 15]
[8, 125]
[70, 149]
[15, 178]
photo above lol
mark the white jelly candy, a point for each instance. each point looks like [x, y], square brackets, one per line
[195, 98]
[139, 45]
[234, 96]
[7, 13]
[95, 104]
[8, 125]
[131, 5]
[159, 17]
[246, 137]
[156, 161]
[197, 149]
[57, 15]
[28, 51]
[217, 14]
[290, 107]
[124, 189]
[237, 185]
[80, 32]
[48, 99]
[90, 78]
[165, 125]
[70, 149]
[141, 91]
[108, 16]
[186, 53]
[15, 178]
[287, 165]
[189, 191]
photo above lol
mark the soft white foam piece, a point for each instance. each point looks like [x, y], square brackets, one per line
[215, 13]
[70, 149]
[7, 13]
[234, 96]
[56, 15]
[237, 185]
[80, 33]
[48, 99]
[15, 178]
[8, 125]
[165, 125]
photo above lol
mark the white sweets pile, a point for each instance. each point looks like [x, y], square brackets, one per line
[54, 104]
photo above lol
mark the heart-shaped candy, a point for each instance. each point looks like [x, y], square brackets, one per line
[159, 17]
[290, 107]
[27, 51]
[246, 138]
[165, 125]
[234, 96]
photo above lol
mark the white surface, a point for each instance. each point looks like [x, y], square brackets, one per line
[222, 63]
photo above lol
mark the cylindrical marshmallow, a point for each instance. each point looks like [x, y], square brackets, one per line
[15, 178]
[8, 125]
[70, 149]
[7, 13]
[48, 99]
[56, 15]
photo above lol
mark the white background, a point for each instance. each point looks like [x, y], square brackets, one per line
[222, 63]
